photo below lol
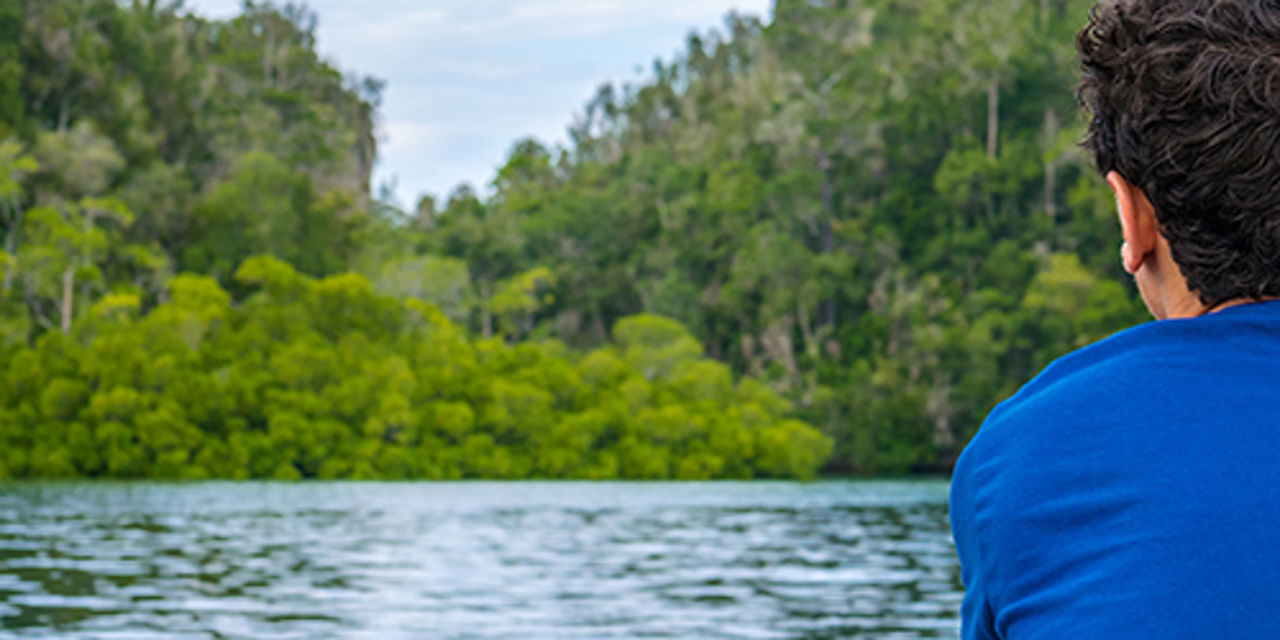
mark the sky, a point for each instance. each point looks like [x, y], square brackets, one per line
[466, 79]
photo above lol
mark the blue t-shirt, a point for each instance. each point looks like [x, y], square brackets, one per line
[1131, 490]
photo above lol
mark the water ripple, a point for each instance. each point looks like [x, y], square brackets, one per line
[477, 561]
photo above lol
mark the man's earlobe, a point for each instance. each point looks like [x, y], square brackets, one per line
[1137, 221]
[1126, 258]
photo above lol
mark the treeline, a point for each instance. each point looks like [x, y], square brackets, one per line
[875, 207]
[330, 379]
[870, 215]
[145, 158]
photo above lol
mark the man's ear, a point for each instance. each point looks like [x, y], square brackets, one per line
[1137, 222]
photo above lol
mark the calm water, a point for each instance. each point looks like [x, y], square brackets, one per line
[527, 560]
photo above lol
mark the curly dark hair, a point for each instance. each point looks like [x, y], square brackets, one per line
[1185, 98]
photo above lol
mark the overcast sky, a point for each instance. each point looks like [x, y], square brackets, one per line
[467, 78]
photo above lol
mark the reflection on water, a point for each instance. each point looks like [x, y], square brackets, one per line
[527, 560]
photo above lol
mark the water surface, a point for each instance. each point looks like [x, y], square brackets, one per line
[477, 560]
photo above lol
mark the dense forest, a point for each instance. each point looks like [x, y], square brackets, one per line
[829, 242]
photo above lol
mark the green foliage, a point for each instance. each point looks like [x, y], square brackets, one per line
[350, 387]
[868, 217]
[873, 208]
[518, 300]
[443, 282]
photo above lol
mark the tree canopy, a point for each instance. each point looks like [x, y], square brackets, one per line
[832, 241]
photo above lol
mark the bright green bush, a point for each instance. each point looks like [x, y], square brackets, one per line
[327, 378]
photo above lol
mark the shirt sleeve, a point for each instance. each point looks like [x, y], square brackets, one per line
[977, 617]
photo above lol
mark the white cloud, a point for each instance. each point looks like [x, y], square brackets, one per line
[215, 8]
[382, 28]
[404, 134]
[466, 78]
[542, 19]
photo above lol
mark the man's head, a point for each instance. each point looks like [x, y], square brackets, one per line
[1185, 97]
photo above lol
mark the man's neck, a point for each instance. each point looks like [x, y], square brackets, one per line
[1235, 303]
[1188, 309]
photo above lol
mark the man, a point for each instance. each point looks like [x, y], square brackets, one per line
[1132, 490]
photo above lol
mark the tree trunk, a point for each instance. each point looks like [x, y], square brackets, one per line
[64, 113]
[268, 54]
[8, 273]
[486, 313]
[68, 298]
[826, 230]
[811, 338]
[1051, 165]
[993, 117]
[597, 325]
[11, 244]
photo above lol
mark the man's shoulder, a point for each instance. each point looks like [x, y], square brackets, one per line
[1080, 399]
[1074, 384]
[1155, 366]
[1168, 423]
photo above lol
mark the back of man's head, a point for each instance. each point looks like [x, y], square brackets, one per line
[1185, 97]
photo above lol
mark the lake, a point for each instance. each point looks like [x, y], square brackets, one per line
[478, 560]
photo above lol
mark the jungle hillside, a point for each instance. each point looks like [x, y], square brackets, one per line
[825, 243]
